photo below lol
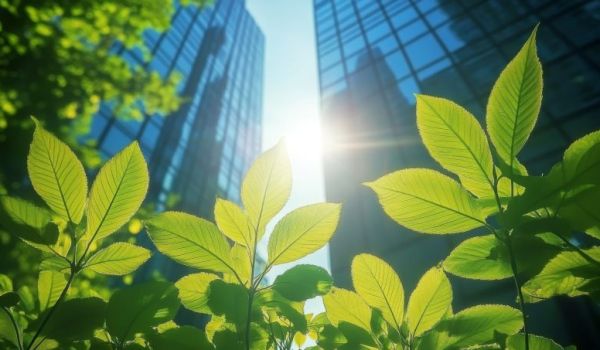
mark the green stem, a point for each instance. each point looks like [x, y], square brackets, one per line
[60, 299]
[515, 272]
[15, 326]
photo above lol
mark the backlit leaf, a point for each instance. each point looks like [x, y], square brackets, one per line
[343, 305]
[135, 309]
[234, 223]
[118, 259]
[427, 201]
[569, 273]
[7, 331]
[117, 192]
[303, 282]
[303, 231]
[193, 291]
[429, 302]
[50, 286]
[515, 101]
[455, 139]
[482, 257]
[28, 222]
[57, 175]
[473, 326]
[266, 187]
[379, 285]
[517, 342]
[190, 240]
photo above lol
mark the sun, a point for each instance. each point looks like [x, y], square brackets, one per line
[304, 140]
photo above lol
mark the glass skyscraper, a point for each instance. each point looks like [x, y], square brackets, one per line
[202, 150]
[374, 55]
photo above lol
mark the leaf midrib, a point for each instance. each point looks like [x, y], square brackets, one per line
[434, 203]
[384, 296]
[427, 306]
[463, 143]
[60, 190]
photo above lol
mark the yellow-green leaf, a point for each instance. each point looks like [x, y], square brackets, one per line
[515, 101]
[343, 305]
[234, 223]
[193, 291]
[568, 273]
[428, 303]
[266, 187]
[517, 342]
[379, 285]
[241, 263]
[455, 139]
[474, 326]
[117, 192]
[482, 257]
[190, 241]
[427, 201]
[57, 175]
[50, 286]
[302, 232]
[118, 259]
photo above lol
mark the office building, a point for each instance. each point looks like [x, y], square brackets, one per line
[373, 55]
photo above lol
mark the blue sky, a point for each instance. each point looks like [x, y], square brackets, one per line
[291, 100]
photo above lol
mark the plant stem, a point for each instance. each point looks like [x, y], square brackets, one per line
[515, 271]
[15, 326]
[60, 299]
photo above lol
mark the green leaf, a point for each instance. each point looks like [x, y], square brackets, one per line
[583, 212]
[343, 305]
[135, 309]
[27, 299]
[425, 200]
[28, 222]
[267, 186]
[180, 338]
[270, 301]
[569, 273]
[473, 326]
[303, 231]
[581, 160]
[234, 223]
[429, 302]
[303, 282]
[67, 323]
[455, 139]
[6, 284]
[117, 192]
[229, 300]
[7, 331]
[240, 257]
[50, 286]
[515, 101]
[9, 299]
[193, 291]
[57, 175]
[517, 342]
[482, 258]
[55, 263]
[379, 285]
[190, 241]
[118, 259]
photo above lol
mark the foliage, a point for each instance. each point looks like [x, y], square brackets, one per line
[60, 60]
[244, 312]
[520, 213]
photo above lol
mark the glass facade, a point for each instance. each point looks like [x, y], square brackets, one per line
[202, 150]
[374, 55]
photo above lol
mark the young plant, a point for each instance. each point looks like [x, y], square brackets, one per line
[245, 314]
[530, 220]
[375, 316]
[68, 233]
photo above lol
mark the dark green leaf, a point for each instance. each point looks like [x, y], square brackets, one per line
[229, 300]
[303, 282]
[180, 338]
[136, 309]
[68, 324]
[9, 299]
